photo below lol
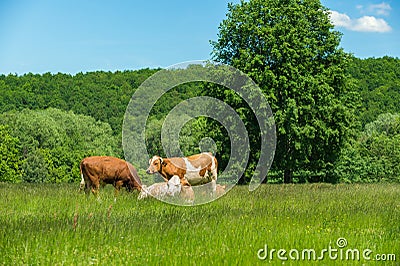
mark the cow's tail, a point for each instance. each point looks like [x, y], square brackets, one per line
[215, 170]
[82, 184]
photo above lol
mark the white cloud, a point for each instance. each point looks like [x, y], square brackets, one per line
[381, 9]
[371, 24]
[339, 19]
[363, 24]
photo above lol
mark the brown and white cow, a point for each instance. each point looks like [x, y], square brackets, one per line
[102, 170]
[193, 170]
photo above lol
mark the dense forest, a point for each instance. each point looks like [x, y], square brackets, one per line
[335, 117]
[50, 122]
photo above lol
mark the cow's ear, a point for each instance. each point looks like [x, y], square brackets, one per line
[164, 163]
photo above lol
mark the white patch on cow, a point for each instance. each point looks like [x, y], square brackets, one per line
[192, 173]
[155, 157]
[174, 186]
[190, 167]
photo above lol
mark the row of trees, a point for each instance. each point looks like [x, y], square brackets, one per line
[337, 117]
[48, 145]
[101, 95]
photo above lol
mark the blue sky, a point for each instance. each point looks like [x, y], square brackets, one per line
[79, 36]
[369, 28]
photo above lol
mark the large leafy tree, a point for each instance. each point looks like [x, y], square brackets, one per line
[290, 49]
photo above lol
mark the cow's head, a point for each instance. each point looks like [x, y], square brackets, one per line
[155, 165]
[143, 193]
[132, 185]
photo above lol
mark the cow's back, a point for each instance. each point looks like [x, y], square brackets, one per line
[200, 161]
[201, 168]
[110, 166]
[103, 166]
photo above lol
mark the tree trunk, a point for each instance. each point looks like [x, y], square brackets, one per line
[287, 176]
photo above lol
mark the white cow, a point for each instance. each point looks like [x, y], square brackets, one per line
[162, 190]
[172, 188]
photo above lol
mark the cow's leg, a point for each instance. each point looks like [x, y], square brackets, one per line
[95, 191]
[136, 185]
[213, 188]
[183, 180]
[88, 185]
[117, 186]
[95, 188]
[214, 174]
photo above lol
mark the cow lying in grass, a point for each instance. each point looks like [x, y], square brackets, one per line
[161, 190]
[172, 188]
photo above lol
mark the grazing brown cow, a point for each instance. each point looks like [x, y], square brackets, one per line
[102, 170]
[192, 170]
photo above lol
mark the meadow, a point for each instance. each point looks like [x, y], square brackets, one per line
[52, 224]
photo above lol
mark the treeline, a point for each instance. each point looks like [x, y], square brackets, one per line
[373, 154]
[49, 122]
[101, 95]
[378, 82]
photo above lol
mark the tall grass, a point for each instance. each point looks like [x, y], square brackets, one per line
[54, 225]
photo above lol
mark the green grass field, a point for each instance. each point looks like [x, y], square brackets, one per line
[55, 225]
